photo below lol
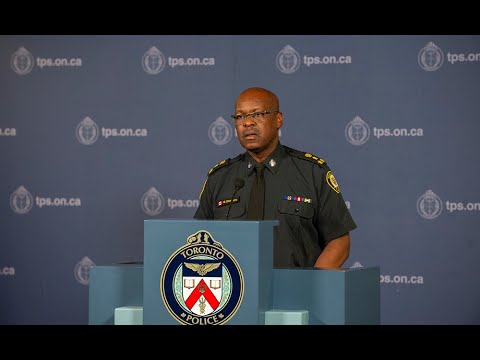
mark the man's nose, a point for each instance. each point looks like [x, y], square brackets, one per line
[249, 121]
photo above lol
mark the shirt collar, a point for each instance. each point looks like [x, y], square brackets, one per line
[272, 162]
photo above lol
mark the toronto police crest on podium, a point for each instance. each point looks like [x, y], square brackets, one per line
[202, 283]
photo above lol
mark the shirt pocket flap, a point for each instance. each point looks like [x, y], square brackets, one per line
[304, 210]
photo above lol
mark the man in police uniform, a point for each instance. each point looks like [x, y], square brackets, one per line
[300, 189]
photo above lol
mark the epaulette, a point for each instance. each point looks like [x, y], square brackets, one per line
[224, 163]
[305, 156]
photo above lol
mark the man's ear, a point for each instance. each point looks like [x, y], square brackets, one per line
[279, 120]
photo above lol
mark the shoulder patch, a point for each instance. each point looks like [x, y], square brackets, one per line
[305, 156]
[224, 163]
[332, 182]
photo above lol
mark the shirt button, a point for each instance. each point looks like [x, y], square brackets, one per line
[296, 210]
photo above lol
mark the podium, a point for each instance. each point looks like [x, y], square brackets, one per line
[213, 272]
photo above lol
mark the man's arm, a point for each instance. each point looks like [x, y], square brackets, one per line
[204, 210]
[335, 253]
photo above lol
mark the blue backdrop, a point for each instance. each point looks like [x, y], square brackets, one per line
[98, 133]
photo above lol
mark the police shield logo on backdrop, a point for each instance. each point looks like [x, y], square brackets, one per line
[202, 283]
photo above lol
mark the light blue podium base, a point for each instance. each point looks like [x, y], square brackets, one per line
[133, 315]
[300, 296]
[129, 315]
[286, 317]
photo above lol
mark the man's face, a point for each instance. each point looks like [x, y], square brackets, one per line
[260, 134]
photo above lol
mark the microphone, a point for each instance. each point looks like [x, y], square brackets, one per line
[239, 183]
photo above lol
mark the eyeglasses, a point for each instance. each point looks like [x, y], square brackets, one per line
[256, 116]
